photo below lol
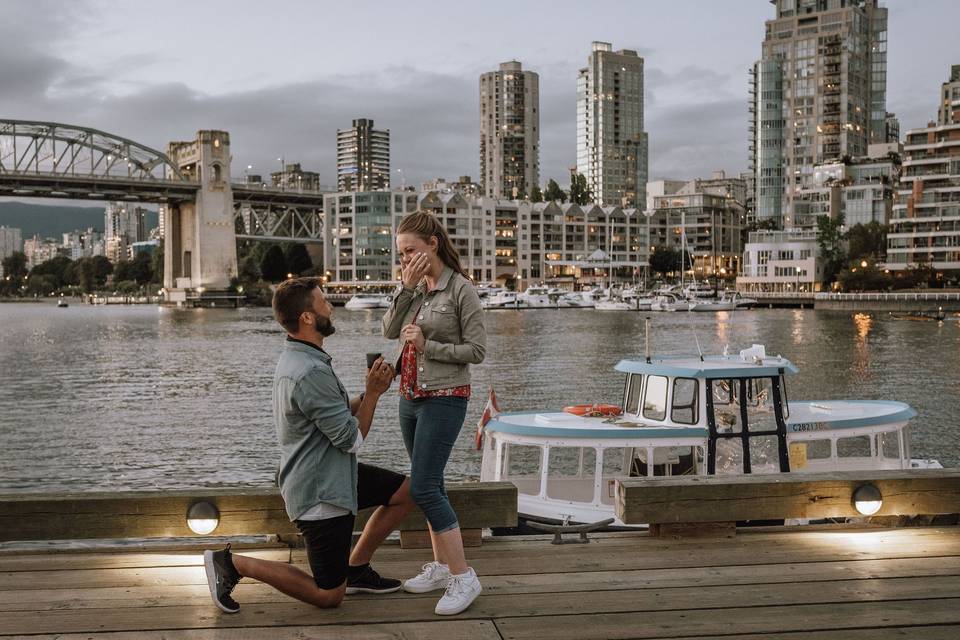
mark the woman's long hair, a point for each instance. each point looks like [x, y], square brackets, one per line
[426, 226]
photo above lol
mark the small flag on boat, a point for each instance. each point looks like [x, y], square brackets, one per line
[490, 411]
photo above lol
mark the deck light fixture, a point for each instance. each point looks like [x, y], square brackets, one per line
[203, 517]
[867, 499]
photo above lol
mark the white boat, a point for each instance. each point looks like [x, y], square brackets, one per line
[614, 304]
[577, 300]
[699, 290]
[62, 303]
[726, 302]
[670, 302]
[699, 416]
[538, 297]
[501, 300]
[368, 301]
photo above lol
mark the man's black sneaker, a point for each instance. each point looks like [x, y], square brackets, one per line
[222, 577]
[365, 580]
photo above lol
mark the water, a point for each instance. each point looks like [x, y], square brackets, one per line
[140, 397]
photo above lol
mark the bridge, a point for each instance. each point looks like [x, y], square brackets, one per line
[204, 213]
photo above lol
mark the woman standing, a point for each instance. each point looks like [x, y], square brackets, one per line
[436, 314]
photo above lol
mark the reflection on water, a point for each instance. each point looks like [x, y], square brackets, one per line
[139, 397]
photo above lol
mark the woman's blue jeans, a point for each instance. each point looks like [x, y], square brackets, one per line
[430, 427]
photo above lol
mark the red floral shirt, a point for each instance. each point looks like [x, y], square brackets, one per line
[408, 379]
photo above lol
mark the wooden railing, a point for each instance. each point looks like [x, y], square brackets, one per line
[673, 506]
[242, 512]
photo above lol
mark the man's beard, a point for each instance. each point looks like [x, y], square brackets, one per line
[325, 327]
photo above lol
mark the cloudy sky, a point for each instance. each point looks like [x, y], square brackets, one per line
[282, 76]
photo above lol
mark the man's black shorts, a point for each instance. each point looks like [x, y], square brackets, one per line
[328, 540]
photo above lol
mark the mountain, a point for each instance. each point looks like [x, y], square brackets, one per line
[50, 221]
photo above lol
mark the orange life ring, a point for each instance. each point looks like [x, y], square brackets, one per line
[594, 410]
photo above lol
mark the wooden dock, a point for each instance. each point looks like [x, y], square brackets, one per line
[807, 583]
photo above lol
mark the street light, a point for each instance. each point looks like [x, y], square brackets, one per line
[863, 263]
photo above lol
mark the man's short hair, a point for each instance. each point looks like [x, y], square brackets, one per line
[292, 298]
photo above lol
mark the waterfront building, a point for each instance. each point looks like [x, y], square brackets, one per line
[38, 250]
[892, 128]
[123, 225]
[509, 132]
[148, 247]
[83, 244]
[359, 235]
[293, 178]
[818, 94]
[611, 141]
[363, 157]
[469, 221]
[11, 240]
[925, 223]
[709, 216]
[464, 185]
[859, 188]
[781, 261]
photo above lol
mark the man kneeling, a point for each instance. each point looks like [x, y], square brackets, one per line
[320, 430]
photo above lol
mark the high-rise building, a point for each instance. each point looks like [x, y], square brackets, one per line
[363, 157]
[11, 240]
[892, 128]
[923, 225]
[509, 131]
[818, 94]
[293, 178]
[123, 225]
[611, 142]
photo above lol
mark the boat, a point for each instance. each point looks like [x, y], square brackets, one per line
[577, 300]
[665, 301]
[693, 416]
[538, 297]
[368, 301]
[500, 300]
[699, 290]
[614, 304]
[921, 316]
[726, 302]
[62, 303]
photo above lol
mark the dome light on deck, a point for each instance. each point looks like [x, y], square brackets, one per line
[202, 518]
[867, 499]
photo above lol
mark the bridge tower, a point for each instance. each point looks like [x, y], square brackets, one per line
[200, 254]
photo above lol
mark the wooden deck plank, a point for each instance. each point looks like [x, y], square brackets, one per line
[886, 633]
[114, 560]
[28, 599]
[446, 629]
[682, 603]
[544, 559]
[833, 619]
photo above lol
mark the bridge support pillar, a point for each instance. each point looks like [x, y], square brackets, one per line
[200, 256]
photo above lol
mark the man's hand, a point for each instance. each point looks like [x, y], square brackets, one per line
[413, 272]
[413, 333]
[379, 378]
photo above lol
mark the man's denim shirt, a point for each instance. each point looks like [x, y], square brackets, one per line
[311, 411]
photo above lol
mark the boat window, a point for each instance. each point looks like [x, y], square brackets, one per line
[888, 444]
[855, 447]
[667, 461]
[570, 473]
[729, 457]
[523, 467]
[764, 454]
[632, 404]
[806, 450]
[655, 399]
[685, 396]
[760, 414]
[616, 464]
[726, 405]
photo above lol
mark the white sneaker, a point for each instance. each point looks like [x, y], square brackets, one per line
[461, 591]
[432, 576]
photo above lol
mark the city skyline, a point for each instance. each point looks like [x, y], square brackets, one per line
[99, 66]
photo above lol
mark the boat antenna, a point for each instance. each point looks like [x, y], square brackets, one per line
[699, 350]
[646, 337]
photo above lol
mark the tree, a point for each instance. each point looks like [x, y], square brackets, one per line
[867, 241]
[15, 265]
[536, 195]
[665, 259]
[90, 273]
[297, 258]
[579, 191]
[156, 264]
[273, 266]
[830, 243]
[554, 193]
[55, 268]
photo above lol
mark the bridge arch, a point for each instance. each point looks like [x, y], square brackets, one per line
[56, 149]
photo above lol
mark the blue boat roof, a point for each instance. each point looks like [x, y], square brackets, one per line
[736, 366]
